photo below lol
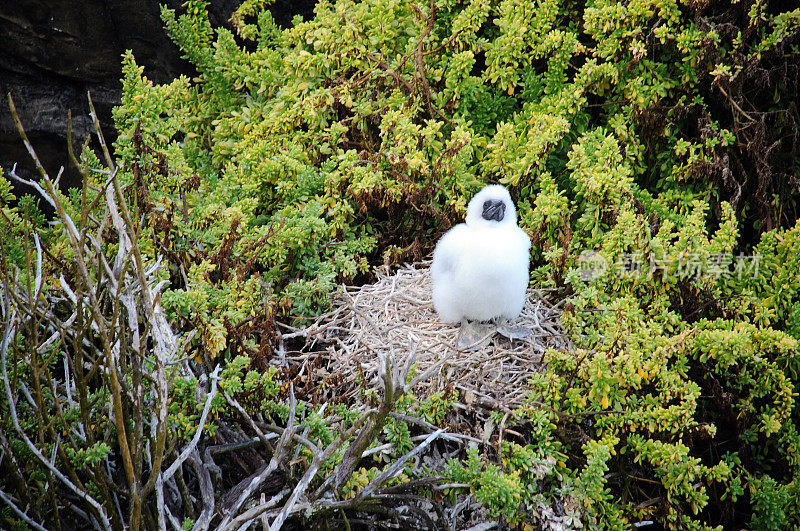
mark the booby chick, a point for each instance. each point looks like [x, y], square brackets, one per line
[480, 267]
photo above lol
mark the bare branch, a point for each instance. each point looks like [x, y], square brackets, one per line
[395, 467]
[8, 333]
[302, 485]
[192, 446]
[206, 491]
[6, 498]
[99, 132]
[393, 387]
[278, 456]
[24, 138]
[232, 401]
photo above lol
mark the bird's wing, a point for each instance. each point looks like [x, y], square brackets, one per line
[524, 239]
[447, 255]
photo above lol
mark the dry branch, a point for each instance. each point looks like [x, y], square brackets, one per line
[115, 329]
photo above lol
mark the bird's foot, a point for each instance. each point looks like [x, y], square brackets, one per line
[474, 335]
[511, 331]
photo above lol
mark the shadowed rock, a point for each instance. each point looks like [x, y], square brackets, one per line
[56, 50]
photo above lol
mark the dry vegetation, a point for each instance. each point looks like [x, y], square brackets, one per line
[394, 317]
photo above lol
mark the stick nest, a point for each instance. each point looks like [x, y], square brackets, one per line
[395, 317]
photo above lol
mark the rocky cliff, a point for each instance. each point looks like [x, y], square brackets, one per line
[54, 51]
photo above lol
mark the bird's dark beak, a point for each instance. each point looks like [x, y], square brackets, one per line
[494, 209]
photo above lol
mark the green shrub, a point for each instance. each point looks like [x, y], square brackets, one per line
[651, 148]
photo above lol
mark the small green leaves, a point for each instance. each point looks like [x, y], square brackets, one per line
[88, 457]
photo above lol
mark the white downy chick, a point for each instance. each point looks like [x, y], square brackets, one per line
[480, 267]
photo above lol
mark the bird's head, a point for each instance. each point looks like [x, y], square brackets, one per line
[491, 207]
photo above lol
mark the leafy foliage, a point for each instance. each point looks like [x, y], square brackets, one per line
[651, 147]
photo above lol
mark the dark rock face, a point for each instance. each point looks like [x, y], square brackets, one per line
[57, 50]
[53, 51]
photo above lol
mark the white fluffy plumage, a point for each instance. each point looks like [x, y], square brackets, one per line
[480, 267]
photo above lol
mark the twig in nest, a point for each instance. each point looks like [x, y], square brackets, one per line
[396, 315]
